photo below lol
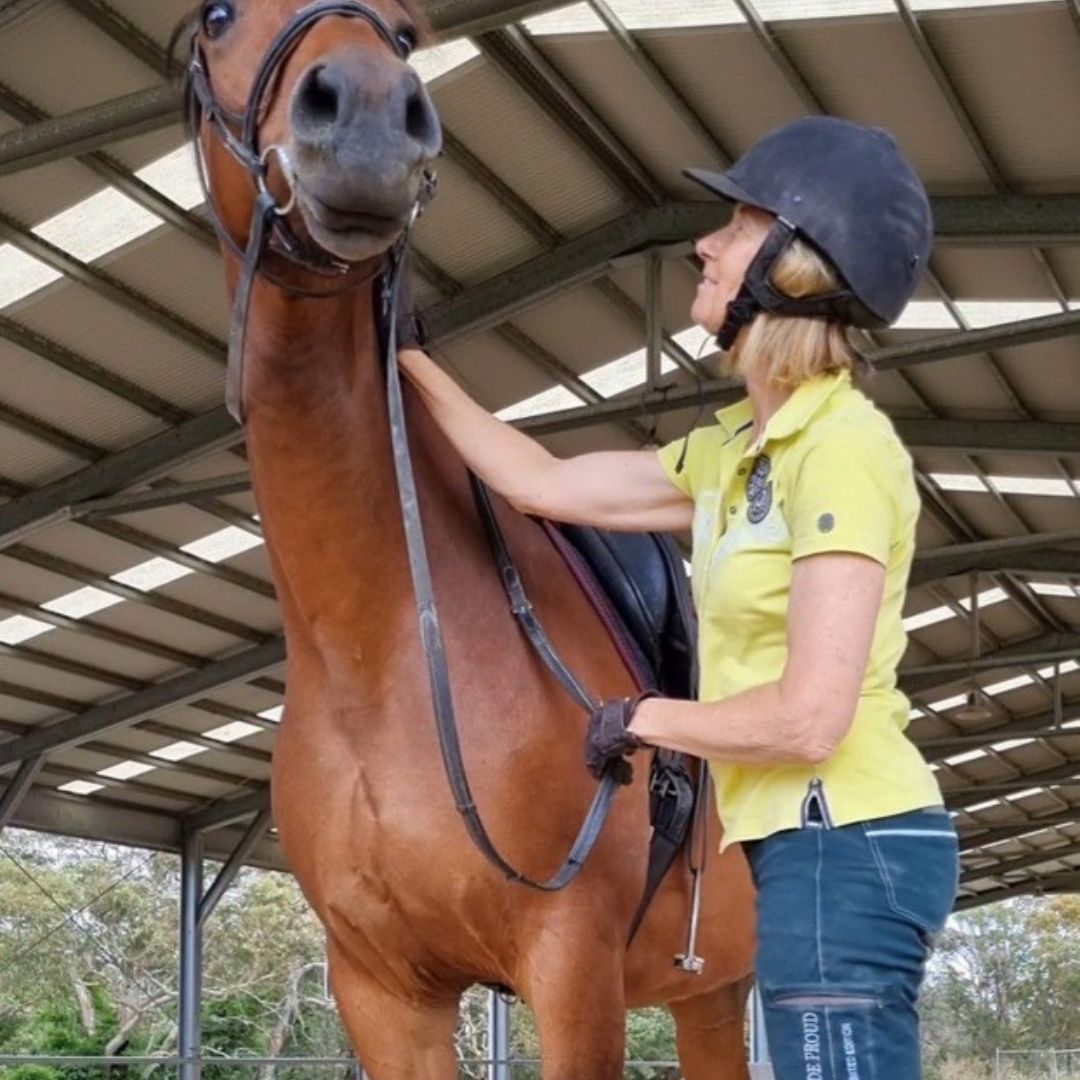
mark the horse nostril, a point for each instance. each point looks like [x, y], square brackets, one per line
[320, 96]
[419, 117]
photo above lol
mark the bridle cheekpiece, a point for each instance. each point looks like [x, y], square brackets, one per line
[270, 228]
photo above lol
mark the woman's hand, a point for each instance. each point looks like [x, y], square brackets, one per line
[624, 490]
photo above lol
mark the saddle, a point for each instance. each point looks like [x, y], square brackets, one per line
[641, 576]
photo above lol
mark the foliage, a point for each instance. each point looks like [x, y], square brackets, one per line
[88, 960]
[1006, 976]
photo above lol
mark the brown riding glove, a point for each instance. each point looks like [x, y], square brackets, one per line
[609, 740]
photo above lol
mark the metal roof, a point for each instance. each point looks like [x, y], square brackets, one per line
[140, 656]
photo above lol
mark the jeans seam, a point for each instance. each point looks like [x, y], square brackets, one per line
[886, 881]
[820, 838]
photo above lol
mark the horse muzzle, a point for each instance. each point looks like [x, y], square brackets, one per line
[361, 133]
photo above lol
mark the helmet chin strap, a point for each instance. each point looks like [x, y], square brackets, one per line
[757, 293]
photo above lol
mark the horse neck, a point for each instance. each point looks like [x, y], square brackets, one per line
[319, 445]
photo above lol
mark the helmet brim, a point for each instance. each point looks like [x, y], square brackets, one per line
[721, 184]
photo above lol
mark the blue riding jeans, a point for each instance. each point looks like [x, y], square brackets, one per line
[846, 921]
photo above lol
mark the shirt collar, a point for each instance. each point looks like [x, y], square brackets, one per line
[791, 417]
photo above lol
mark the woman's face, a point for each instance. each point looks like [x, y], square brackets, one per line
[726, 255]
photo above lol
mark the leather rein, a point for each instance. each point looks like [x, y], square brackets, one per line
[269, 230]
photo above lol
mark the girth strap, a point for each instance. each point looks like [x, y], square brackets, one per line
[434, 648]
[672, 800]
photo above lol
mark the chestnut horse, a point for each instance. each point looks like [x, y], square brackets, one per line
[413, 913]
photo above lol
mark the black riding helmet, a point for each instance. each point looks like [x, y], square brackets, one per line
[849, 191]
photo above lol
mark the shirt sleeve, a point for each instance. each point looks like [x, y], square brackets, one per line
[845, 496]
[691, 453]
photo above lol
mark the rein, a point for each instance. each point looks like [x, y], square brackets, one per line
[269, 224]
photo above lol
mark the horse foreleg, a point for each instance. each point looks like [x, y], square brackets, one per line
[394, 1039]
[579, 1003]
[710, 1033]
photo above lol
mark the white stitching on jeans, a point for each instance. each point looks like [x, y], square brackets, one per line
[948, 835]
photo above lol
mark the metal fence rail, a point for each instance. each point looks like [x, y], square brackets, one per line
[1037, 1065]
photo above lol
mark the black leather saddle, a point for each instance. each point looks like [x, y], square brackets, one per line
[643, 578]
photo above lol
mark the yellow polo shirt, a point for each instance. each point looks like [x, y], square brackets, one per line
[828, 474]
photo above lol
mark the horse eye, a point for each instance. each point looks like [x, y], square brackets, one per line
[407, 40]
[217, 18]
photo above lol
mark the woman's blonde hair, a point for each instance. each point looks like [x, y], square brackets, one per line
[789, 349]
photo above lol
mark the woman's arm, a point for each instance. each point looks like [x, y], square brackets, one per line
[835, 600]
[626, 490]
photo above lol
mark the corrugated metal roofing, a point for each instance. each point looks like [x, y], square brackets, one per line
[516, 184]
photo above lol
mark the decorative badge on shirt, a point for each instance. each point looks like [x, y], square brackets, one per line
[759, 490]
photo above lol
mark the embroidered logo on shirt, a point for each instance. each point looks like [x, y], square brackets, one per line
[759, 490]
[826, 523]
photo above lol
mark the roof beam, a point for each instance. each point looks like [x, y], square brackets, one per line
[100, 818]
[1019, 553]
[169, 693]
[1047, 649]
[959, 219]
[973, 841]
[146, 461]
[111, 288]
[514, 53]
[1058, 774]
[1048, 885]
[122, 118]
[1041, 725]
[1022, 862]
[216, 430]
[228, 811]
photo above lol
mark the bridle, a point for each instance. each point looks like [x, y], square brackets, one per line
[270, 230]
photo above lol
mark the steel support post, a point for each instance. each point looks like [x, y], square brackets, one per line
[16, 791]
[498, 1037]
[654, 328]
[190, 1004]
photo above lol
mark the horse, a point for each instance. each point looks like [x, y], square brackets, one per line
[314, 136]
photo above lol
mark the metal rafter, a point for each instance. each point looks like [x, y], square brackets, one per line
[88, 370]
[1045, 649]
[148, 110]
[1037, 550]
[1021, 862]
[216, 430]
[974, 841]
[1069, 773]
[169, 693]
[17, 788]
[1051, 884]
[112, 289]
[155, 599]
[516, 55]
[114, 173]
[547, 235]
[146, 461]
[154, 498]
[959, 219]
[70, 815]
[1039, 726]
[656, 75]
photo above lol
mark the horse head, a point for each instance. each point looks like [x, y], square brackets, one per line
[316, 108]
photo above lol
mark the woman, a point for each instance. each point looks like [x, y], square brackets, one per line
[803, 509]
